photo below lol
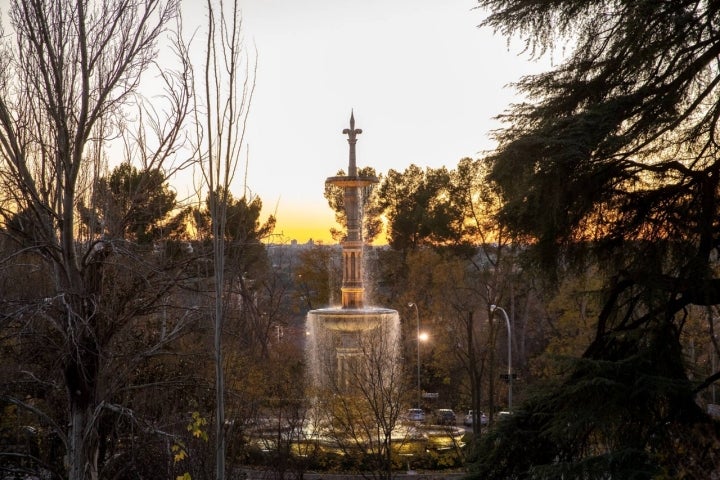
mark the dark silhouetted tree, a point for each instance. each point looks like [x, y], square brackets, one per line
[614, 162]
[423, 208]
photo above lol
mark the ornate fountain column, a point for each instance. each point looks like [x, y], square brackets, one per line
[353, 291]
[334, 345]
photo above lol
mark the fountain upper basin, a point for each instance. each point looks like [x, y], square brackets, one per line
[352, 319]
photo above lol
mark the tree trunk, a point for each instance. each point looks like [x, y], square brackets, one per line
[81, 379]
[219, 253]
[228, 100]
[82, 443]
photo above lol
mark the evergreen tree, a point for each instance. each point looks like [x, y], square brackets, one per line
[615, 159]
[131, 204]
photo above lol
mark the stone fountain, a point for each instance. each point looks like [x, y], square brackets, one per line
[338, 335]
[353, 348]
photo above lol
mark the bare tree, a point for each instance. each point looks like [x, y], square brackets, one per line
[365, 399]
[229, 81]
[73, 67]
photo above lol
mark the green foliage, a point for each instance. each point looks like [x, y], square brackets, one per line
[612, 418]
[614, 164]
[615, 147]
[316, 277]
[245, 253]
[420, 209]
[131, 204]
[242, 224]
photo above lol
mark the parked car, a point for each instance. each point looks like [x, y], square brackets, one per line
[416, 415]
[445, 416]
[469, 418]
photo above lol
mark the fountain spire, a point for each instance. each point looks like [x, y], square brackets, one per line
[353, 291]
[352, 134]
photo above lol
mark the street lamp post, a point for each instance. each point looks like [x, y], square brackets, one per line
[417, 318]
[493, 308]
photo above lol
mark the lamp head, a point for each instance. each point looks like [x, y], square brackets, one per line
[492, 308]
[411, 304]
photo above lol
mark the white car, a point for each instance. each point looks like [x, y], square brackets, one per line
[416, 415]
[469, 418]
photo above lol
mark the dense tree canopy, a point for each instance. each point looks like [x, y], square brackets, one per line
[423, 208]
[130, 204]
[620, 142]
[616, 154]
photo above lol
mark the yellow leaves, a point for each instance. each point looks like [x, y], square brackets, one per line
[179, 452]
[195, 426]
[572, 316]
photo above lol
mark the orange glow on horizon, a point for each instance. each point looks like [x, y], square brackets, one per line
[303, 233]
[309, 225]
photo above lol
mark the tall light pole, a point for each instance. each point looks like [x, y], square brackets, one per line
[493, 308]
[419, 337]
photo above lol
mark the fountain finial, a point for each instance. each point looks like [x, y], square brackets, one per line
[352, 134]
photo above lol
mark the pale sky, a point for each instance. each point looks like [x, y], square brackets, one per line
[423, 80]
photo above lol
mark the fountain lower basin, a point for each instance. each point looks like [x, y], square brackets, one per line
[343, 343]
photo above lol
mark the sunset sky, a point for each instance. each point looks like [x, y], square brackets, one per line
[423, 80]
